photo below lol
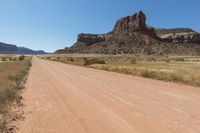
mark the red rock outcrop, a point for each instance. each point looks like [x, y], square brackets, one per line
[131, 23]
[131, 35]
[90, 38]
[135, 23]
[179, 35]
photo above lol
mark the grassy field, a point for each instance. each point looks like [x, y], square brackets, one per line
[12, 71]
[182, 69]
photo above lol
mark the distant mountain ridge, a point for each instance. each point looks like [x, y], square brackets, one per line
[131, 35]
[13, 49]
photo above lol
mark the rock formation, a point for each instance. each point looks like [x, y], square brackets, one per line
[131, 35]
[179, 35]
[131, 23]
[135, 23]
[7, 48]
[91, 38]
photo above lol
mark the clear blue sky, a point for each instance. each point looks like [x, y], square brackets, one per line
[54, 24]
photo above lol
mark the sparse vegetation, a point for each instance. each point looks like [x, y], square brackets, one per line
[91, 61]
[133, 60]
[182, 69]
[148, 74]
[12, 74]
[11, 58]
[180, 59]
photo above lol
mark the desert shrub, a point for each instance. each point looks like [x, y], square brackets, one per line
[57, 58]
[151, 59]
[3, 58]
[91, 61]
[172, 77]
[148, 74]
[122, 70]
[198, 51]
[21, 57]
[48, 58]
[71, 59]
[8, 97]
[133, 61]
[20, 75]
[167, 60]
[14, 59]
[180, 59]
[10, 59]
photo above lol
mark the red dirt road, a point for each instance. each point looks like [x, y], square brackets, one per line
[61, 98]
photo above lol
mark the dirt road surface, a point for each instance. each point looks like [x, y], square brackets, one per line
[61, 98]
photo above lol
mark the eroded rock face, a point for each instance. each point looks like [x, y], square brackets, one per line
[131, 35]
[90, 38]
[131, 23]
[135, 23]
[184, 37]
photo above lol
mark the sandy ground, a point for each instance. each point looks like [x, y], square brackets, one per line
[61, 98]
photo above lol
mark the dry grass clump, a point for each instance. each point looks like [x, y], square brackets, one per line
[90, 61]
[11, 77]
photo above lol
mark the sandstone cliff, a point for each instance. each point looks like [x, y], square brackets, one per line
[131, 35]
[90, 39]
[179, 35]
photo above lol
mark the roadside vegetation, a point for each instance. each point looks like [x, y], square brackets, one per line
[13, 69]
[182, 69]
